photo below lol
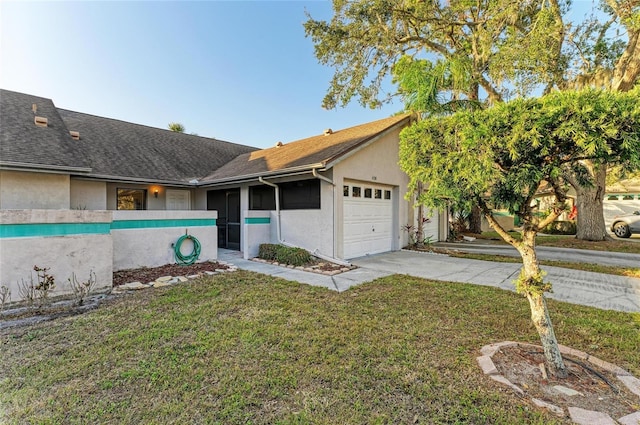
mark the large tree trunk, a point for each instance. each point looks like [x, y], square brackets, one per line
[589, 200]
[420, 224]
[475, 220]
[532, 285]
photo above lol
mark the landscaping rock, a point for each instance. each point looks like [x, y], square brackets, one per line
[181, 278]
[487, 366]
[632, 419]
[567, 391]
[551, 407]
[632, 383]
[589, 417]
[157, 284]
[133, 285]
[164, 279]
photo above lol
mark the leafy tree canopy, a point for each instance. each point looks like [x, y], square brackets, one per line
[499, 157]
[176, 126]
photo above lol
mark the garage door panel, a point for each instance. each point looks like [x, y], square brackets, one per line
[367, 222]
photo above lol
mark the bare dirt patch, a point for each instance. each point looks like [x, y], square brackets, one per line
[600, 390]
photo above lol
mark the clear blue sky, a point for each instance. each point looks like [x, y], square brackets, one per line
[240, 71]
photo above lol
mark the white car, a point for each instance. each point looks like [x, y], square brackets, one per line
[624, 226]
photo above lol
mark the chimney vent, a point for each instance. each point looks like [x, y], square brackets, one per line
[279, 144]
[328, 131]
[41, 121]
[34, 108]
[75, 135]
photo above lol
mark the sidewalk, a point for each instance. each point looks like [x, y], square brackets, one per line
[575, 286]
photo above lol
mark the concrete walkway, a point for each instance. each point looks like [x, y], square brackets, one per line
[574, 286]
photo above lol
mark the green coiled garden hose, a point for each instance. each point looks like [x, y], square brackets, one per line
[185, 260]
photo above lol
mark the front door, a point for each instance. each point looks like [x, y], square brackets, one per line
[227, 203]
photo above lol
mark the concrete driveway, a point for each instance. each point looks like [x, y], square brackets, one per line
[574, 286]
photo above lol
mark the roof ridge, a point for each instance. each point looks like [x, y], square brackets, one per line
[398, 117]
[151, 127]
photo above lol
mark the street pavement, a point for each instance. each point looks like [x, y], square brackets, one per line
[575, 286]
[620, 259]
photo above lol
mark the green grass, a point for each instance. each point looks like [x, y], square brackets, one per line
[246, 348]
[562, 241]
[597, 268]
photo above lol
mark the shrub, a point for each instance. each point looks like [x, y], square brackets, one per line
[268, 251]
[82, 289]
[284, 254]
[560, 228]
[5, 296]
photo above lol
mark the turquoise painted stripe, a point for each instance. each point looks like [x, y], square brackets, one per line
[257, 220]
[28, 230]
[150, 224]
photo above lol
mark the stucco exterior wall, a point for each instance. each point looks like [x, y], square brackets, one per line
[377, 164]
[66, 241]
[25, 190]
[88, 195]
[256, 230]
[146, 238]
[153, 203]
[311, 229]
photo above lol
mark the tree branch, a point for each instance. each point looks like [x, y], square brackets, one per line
[495, 225]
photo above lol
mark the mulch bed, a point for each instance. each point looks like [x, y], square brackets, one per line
[149, 274]
[600, 389]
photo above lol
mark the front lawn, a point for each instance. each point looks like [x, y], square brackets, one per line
[247, 348]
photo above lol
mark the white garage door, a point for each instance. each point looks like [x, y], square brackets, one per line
[368, 219]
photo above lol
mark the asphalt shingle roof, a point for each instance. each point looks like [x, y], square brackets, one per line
[125, 150]
[119, 150]
[23, 142]
[312, 151]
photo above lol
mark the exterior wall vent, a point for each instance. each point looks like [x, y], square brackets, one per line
[41, 121]
[328, 131]
[75, 135]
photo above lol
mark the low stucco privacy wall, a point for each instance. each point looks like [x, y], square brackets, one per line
[66, 241]
[83, 241]
[257, 229]
[147, 238]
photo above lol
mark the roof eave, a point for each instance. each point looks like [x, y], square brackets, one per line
[134, 180]
[302, 169]
[42, 168]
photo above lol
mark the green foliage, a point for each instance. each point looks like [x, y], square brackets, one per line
[176, 127]
[284, 254]
[227, 348]
[531, 284]
[500, 156]
[268, 251]
[560, 228]
[491, 43]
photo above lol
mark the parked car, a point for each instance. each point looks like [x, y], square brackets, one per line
[624, 226]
